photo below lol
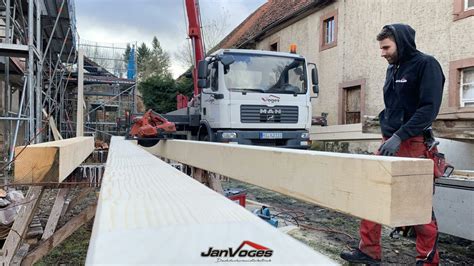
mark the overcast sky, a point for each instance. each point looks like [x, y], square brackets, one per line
[122, 21]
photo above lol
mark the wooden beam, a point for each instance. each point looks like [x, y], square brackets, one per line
[22, 221]
[52, 125]
[60, 235]
[71, 204]
[456, 113]
[342, 132]
[371, 125]
[389, 190]
[55, 213]
[454, 129]
[151, 213]
[453, 124]
[80, 94]
[51, 161]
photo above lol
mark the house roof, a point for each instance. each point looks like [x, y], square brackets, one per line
[268, 16]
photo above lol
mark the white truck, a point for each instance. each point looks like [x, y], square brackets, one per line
[251, 97]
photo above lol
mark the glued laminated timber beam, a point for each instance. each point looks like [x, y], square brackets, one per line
[389, 190]
[151, 213]
[51, 161]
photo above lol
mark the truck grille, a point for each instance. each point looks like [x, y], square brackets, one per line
[265, 114]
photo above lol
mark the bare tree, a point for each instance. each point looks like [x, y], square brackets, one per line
[213, 31]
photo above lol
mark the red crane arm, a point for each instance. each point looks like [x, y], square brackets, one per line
[194, 32]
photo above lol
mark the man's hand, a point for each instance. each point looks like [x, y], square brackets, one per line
[391, 146]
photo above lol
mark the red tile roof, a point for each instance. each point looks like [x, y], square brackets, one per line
[270, 14]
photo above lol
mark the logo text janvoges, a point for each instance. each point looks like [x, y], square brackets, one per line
[257, 251]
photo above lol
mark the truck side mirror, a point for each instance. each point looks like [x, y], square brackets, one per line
[202, 83]
[314, 78]
[202, 69]
[227, 60]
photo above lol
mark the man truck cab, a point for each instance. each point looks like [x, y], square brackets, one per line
[256, 98]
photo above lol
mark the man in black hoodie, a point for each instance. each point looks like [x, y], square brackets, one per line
[412, 95]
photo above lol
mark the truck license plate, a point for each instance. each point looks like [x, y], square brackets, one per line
[271, 135]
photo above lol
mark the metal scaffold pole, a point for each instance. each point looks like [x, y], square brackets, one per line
[39, 74]
[30, 71]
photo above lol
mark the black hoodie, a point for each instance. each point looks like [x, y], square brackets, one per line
[413, 88]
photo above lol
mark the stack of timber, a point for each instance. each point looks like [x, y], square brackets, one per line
[393, 191]
[451, 123]
[350, 132]
[51, 161]
[150, 212]
[455, 123]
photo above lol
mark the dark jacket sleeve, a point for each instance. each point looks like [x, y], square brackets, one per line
[431, 93]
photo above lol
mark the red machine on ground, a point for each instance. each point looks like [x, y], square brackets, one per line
[150, 128]
[151, 124]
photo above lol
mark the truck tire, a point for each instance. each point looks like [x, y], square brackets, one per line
[205, 133]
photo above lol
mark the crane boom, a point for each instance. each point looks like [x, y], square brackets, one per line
[194, 33]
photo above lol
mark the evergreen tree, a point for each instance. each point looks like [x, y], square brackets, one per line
[159, 93]
[158, 62]
[126, 53]
[143, 55]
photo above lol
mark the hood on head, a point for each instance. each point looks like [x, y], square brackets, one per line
[405, 40]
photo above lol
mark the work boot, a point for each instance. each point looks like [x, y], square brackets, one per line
[357, 256]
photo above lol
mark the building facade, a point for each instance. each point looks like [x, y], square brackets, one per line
[340, 37]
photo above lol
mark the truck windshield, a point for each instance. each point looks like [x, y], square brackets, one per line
[267, 74]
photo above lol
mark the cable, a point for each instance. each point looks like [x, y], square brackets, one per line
[297, 219]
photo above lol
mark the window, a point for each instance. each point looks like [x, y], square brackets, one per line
[328, 30]
[215, 76]
[468, 4]
[463, 9]
[274, 47]
[266, 74]
[461, 83]
[467, 87]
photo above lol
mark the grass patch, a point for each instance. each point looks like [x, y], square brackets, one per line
[72, 251]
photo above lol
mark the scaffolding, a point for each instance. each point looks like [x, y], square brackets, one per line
[109, 89]
[37, 45]
[43, 71]
[39, 50]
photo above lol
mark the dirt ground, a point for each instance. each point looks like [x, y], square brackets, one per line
[331, 232]
[324, 230]
[73, 250]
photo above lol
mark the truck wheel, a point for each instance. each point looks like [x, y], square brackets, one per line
[203, 133]
[204, 137]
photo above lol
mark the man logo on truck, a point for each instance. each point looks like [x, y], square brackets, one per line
[270, 111]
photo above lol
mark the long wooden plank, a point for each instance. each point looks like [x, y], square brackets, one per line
[389, 190]
[80, 94]
[59, 236]
[341, 132]
[55, 213]
[51, 161]
[151, 213]
[52, 125]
